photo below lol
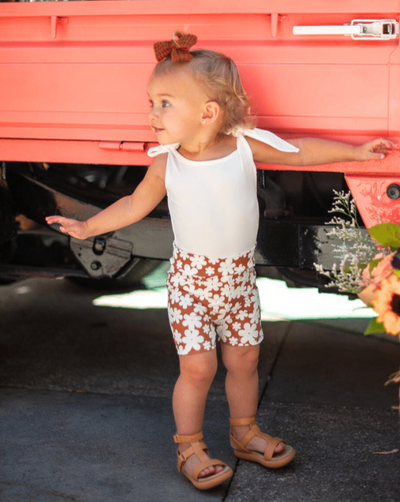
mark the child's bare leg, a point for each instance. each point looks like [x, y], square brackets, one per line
[189, 399]
[241, 386]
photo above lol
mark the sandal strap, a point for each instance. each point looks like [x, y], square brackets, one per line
[235, 422]
[269, 451]
[254, 431]
[198, 448]
[188, 438]
[241, 444]
[210, 462]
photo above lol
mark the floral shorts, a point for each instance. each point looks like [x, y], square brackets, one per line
[210, 298]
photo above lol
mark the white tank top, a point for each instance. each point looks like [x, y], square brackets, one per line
[213, 203]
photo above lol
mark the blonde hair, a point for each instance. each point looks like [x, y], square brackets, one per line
[220, 79]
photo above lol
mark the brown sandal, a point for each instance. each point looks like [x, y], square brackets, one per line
[199, 449]
[270, 458]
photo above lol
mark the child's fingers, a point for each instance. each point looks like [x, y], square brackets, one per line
[69, 226]
[383, 145]
[378, 148]
[65, 225]
[391, 144]
[54, 219]
[60, 220]
[377, 156]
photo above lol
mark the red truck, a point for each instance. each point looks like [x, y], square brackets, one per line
[74, 131]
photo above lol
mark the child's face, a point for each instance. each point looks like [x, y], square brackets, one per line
[177, 106]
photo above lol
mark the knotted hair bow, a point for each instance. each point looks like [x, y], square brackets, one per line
[178, 48]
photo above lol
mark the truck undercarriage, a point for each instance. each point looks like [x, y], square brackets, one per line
[292, 235]
[74, 131]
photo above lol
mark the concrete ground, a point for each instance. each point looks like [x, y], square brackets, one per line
[85, 407]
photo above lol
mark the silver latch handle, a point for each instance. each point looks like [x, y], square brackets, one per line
[365, 29]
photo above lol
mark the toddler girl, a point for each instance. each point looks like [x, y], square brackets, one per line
[205, 163]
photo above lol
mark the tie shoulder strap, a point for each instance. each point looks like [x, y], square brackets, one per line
[157, 150]
[266, 137]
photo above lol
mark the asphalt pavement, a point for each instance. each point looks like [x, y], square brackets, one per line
[85, 406]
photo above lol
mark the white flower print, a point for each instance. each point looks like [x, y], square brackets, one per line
[177, 336]
[188, 270]
[177, 280]
[245, 278]
[235, 307]
[214, 283]
[212, 336]
[240, 269]
[223, 331]
[192, 321]
[255, 298]
[175, 315]
[238, 291]
[185, 301]
[224, 316]
[200, 309]
[227, 267]
[220, 288]
[249, 290]
[203, 293]
[226, 290]
[255, 316]
[175, 295]
[216, 301]
[197, 261]
[228, 308]
[189, 286]
[249, 334]
[192, 340]
[242, 315]
[221, 325]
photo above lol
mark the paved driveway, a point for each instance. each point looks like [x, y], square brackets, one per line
[85, 412]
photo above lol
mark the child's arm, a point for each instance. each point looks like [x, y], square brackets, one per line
[125, 211]
[314, 151]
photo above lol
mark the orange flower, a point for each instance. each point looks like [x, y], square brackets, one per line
[387, 304]
[383, 268]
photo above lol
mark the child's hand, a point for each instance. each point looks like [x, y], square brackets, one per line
[74, 228]
[376, 149]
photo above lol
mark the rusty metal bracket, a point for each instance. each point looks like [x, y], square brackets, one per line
[102, 256]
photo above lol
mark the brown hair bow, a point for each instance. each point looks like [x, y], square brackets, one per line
[178, 48]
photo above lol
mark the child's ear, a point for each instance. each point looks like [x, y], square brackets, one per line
[211, 112]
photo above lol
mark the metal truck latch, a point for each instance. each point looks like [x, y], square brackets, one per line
[127, 146]
[358, 29]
